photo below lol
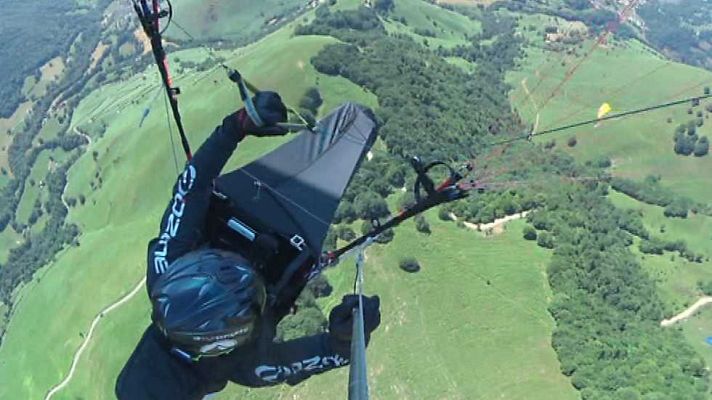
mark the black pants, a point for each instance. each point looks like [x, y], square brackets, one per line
[152, 372]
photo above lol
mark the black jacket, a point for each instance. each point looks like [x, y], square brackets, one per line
[152, 372]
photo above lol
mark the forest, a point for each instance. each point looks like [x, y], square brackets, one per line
[37, 250]
[53, 26]
[682, 30]
[606, 307]
[428, 107]
[651, 191]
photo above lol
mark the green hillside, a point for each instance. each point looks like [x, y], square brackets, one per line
[131, 212]
[488, 316]
[237, 20]
[637, 145]
[677, 278]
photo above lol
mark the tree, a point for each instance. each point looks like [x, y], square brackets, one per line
[369, 206]
[345, 233]
[578, 4]
[407, 200]
[421, 224]
[603, 162]
[320, 286]
[409, 264]
[529, 233]
[684, 145]
[386, 236]
[572, 141]
[330, 240]
[396, 175]
[444, 214]
[628, 393]
[366, 227]
[702, 147]
[311, 100]
[705, 287]
[306, 322]
[691, 127]
[545, 240]
[384, 6]
[677, 209]
[651, 247]
[345, 213]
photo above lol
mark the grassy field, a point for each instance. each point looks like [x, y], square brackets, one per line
[137, 171]
[8, 240]
[676, 277]
[50, 72]
[697, 329]
[498, 302]
[8, 124]
[46, 161]
[50, 130]
[497, 309]
[465, 2]
[638, 145]
[234, 19]
[458, 329]
[450, 28]
[473, 324]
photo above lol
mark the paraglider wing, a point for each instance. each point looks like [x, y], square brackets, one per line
[294, 190]
[603, 110]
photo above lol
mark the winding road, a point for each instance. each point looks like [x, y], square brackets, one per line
[88, 336]
[690, 311]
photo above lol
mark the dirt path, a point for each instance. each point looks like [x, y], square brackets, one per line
[82, 134]
[536, 108]
[496, 226]
[688, 312]
[88, 336]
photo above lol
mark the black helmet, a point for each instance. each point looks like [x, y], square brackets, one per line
[208, 302]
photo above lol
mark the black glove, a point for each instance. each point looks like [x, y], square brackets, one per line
[271, 109]
[341, 317]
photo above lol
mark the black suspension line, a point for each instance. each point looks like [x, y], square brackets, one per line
[150, 16]
[529, 136]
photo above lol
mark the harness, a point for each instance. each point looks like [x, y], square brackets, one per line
[286, 262]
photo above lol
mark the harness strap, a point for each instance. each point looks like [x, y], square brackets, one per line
[275, 291]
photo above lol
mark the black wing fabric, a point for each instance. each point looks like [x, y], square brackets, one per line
[295, 189]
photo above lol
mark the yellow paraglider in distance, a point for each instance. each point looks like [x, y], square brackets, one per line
[604, 109]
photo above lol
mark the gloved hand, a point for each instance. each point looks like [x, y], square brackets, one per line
[271, 109]
[341, 317]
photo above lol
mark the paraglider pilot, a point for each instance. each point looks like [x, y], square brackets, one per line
[208, 304]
